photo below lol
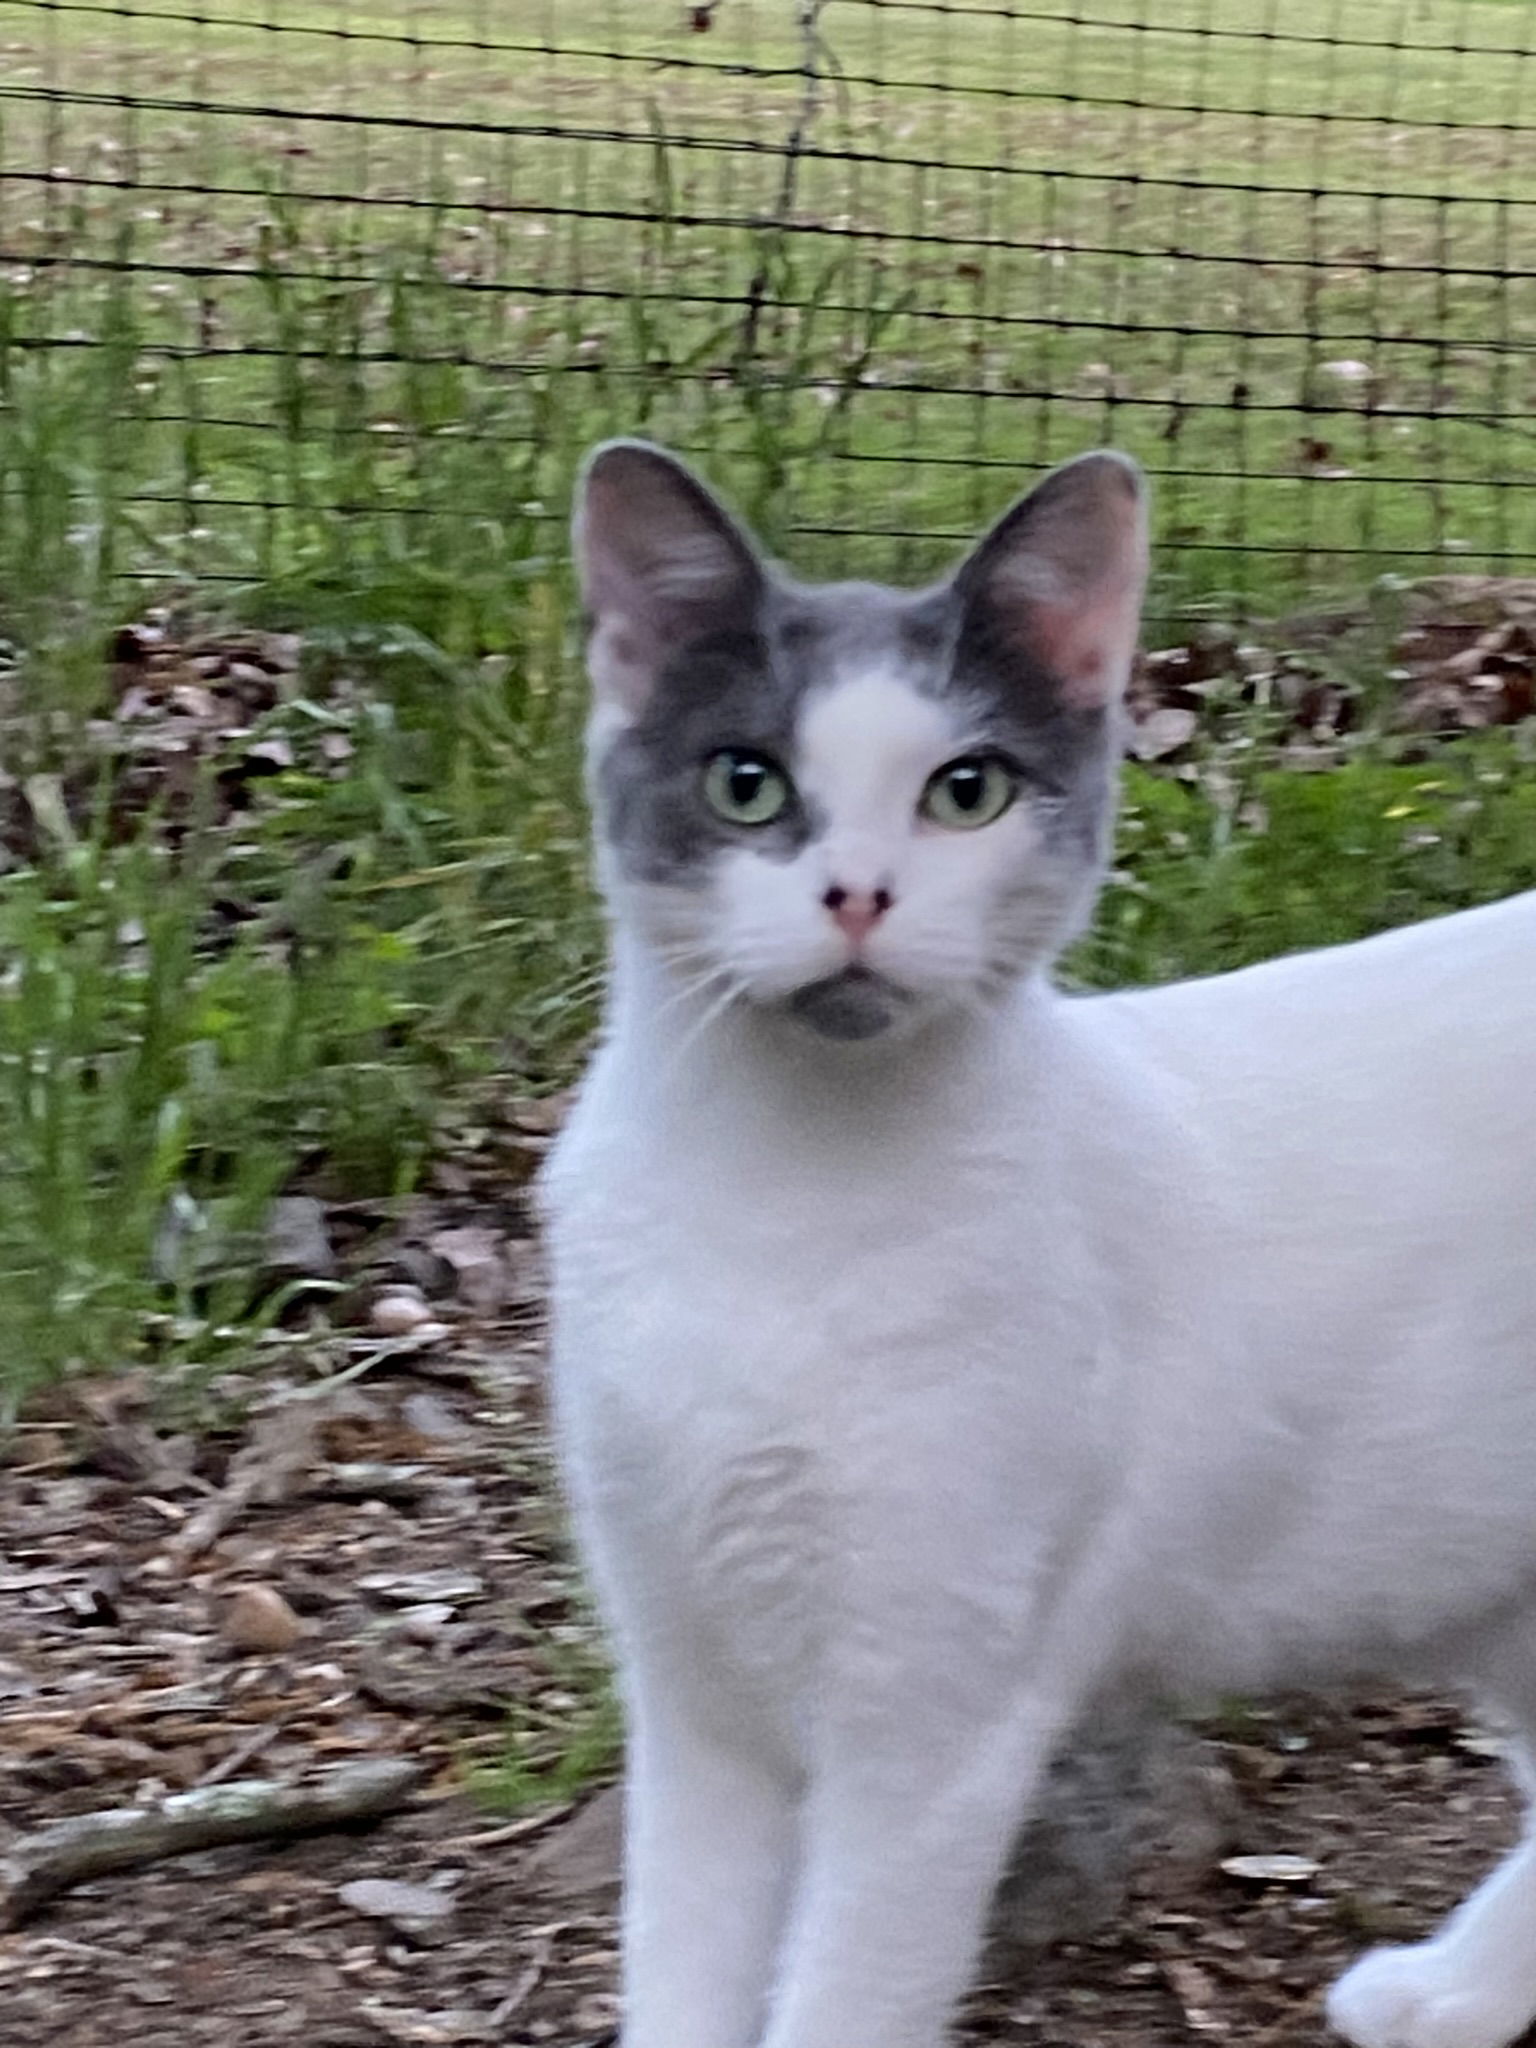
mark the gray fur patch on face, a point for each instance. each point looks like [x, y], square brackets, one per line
[726, 691]
[746, 685]
[1066, 755]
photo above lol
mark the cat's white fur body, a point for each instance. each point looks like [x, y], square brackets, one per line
[1189, 1335]
[913, 1393]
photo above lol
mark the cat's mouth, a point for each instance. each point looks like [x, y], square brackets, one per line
[855, 1003]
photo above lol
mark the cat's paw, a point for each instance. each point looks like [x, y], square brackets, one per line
[1426, 1997]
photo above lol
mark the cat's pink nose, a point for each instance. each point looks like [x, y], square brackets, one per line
[856, 912]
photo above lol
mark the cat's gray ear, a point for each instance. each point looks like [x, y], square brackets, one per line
[662, 565]
[1056, 586]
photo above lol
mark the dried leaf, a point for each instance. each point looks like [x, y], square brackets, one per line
[585, 1853]
[1162, 733]
[478, 1257]
[1195, 1990]
[296, 1239]
[407, 1589]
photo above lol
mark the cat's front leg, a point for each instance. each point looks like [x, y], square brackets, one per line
[1473, 1985]
[709, 1831]
[902, 1854]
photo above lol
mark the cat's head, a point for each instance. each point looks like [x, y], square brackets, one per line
[856, 806]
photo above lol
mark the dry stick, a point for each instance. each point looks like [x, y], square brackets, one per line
[514, 1831]
[811, 55]
[248, 1810]
[531, 1977]
[274, 1462]
[236, 1759]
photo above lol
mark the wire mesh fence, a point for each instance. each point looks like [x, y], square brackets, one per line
[288, 284]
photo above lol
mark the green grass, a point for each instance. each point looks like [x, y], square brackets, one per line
[358, 414]
[567, 1736]
[403, 932]
[569, 246]
[1256, 859]
[423, 923]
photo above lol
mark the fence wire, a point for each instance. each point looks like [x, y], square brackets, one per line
[313, 274]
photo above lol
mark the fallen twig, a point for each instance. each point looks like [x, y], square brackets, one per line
[248, 1810]
[513, 1831]
[531, 1977]
[236, 1759]
[267, 1472]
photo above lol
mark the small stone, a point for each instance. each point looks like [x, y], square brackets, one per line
[1271, 1869]
[279, 651]
[269, 756]
[258, 1619]
[412, 1908]
[399, 1312]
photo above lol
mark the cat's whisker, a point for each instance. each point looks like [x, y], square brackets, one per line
[712, 979]
[689, 991]
[684, 953]
[733, 991]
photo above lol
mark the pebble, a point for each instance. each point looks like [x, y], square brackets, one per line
[412, 1908]
[399, 1312]
[259, 1619]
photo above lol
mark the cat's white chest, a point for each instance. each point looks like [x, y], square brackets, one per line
[798, 1404]
[701, 1462]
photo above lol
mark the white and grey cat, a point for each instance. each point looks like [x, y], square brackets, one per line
[936, 1351]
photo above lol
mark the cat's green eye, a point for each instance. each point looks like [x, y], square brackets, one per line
[969, 792]
[745, 789]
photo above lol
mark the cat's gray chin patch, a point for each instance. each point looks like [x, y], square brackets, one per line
[851, 1005]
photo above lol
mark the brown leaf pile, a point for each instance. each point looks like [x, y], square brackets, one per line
[1460, 657]
[177, 699]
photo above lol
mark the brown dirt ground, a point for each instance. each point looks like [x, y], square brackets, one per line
[117, 1680]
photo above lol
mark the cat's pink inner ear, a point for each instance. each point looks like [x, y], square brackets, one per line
[661, 564]
[1065, 574]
